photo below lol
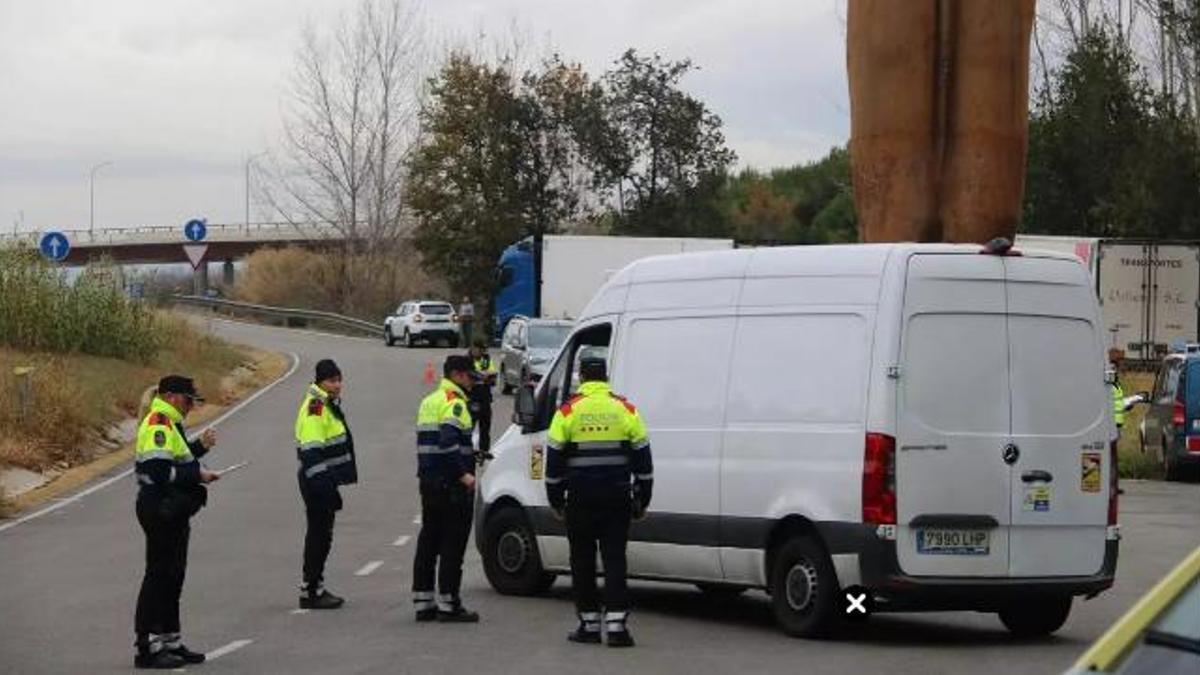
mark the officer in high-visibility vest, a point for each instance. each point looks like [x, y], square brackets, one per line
[325, 449]
[1115, 357]
[599, 475]
[480, 393]
[171, 491]
[446, 469]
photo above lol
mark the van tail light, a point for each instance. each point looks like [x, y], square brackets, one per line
[417, 318]
[1112, 483]
[879, 480]
[1178, 419]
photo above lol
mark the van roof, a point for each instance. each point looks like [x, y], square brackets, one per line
[835, 260]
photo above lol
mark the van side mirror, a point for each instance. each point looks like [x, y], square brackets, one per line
[525, 412]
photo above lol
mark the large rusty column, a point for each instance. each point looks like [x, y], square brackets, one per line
[939, 100]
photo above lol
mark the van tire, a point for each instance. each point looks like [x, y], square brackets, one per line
[1036, 617]
[804, 588]
[510, 555]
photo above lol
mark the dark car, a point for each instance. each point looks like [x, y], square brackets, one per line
[1171, 428]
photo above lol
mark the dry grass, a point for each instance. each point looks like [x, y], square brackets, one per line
[77, 396]
[295, 277]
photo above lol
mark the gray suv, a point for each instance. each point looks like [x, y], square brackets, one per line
[527, 348]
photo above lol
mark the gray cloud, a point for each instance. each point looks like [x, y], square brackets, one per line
[176, 93]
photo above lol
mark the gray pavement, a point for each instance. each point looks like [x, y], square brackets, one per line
[68, 580]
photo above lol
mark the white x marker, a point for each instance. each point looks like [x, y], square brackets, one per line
[857, 603]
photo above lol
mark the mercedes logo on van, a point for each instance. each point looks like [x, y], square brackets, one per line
[1011, 454]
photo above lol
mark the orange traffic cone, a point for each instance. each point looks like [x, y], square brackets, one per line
[429, 376]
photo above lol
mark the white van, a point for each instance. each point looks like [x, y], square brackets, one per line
[930, 422]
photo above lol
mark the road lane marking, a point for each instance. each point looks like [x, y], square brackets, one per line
[227, 649]
[417, 519]
[369, 568]
[401, 541]
[299, 611]
[126, 473]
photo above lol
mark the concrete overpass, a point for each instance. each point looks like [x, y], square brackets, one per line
[159, 244]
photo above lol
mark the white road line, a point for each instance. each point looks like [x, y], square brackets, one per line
[126, 473]
[401, 541]
[369, 568]
[299, 611]
[417, 519]
[227, 649]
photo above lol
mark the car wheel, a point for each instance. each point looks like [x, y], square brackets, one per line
[804, 588]
[721, 592]
[388, 338]
[510, 555]
[407, 339]
[1036, 617]
[505, 387]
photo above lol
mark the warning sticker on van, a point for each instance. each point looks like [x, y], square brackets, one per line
[1037, 498]
[1089, 472]
[537, 462]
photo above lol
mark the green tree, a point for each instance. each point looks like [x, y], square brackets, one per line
[1107, 156]
[660, 150]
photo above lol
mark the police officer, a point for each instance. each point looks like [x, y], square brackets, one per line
[480, 394]
[1115, 357]
[446, 469]
[171, 491]
[325, 449]
[597, 445]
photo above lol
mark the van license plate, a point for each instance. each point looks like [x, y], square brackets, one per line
[945, 541]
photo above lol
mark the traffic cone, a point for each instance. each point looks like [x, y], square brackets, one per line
[429, 376]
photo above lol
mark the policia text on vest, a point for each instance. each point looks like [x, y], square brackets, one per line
[171, 490]
[325, 451]
[446, 470]
[599, 474]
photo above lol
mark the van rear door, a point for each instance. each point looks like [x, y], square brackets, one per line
[1060, 427]
[953, 488]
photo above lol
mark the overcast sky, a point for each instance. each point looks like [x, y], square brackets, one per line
[175, 93]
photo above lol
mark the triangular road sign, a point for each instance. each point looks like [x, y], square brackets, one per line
[195, 253]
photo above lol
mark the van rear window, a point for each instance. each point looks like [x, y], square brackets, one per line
[436, 310]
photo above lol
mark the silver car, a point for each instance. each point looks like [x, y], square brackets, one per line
[527, 347]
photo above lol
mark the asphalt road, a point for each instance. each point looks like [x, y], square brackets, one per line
[68, 580]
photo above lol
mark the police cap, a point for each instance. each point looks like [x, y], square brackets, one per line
[178, 384]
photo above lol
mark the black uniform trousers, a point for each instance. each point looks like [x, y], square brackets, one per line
[320, 506]
[602, 520]
[482, 414]
[166, 565]
[446, 511]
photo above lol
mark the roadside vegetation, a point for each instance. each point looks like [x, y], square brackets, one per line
[93, 354]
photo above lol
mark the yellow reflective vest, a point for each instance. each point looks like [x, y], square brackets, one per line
[444, 451]
[324, 445]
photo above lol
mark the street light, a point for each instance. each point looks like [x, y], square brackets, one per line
[92, 192]
[249, 159]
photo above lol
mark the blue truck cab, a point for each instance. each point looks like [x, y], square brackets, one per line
[515, 285]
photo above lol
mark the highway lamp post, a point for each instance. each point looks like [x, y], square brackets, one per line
[249, 160]
[92, 199]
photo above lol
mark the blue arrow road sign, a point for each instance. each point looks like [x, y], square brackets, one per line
[55, 246]
[195, 230]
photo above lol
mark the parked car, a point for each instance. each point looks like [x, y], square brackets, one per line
[527, 347]
[1159, 635]
[924, 421]
[1171, 428]
[428, 321]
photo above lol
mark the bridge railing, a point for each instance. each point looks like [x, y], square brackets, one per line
[290, 316]
[172, 233]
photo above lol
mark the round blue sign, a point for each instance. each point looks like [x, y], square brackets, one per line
[195, 229]
[55, 246]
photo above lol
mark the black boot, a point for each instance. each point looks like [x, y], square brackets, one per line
[319, 598]
[173, 645]
[456, 613]
[588, 631]
[616, 630]
[157, 660]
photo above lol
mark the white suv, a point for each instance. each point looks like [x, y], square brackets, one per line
[427, 320]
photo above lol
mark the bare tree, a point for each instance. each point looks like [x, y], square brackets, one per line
[350, 121]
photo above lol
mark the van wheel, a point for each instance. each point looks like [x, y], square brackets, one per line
[510, 555]
[1036, 617]
[721, 592]
[804, 588]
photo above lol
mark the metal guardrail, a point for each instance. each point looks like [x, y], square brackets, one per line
[286, 313]
[172, 233]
